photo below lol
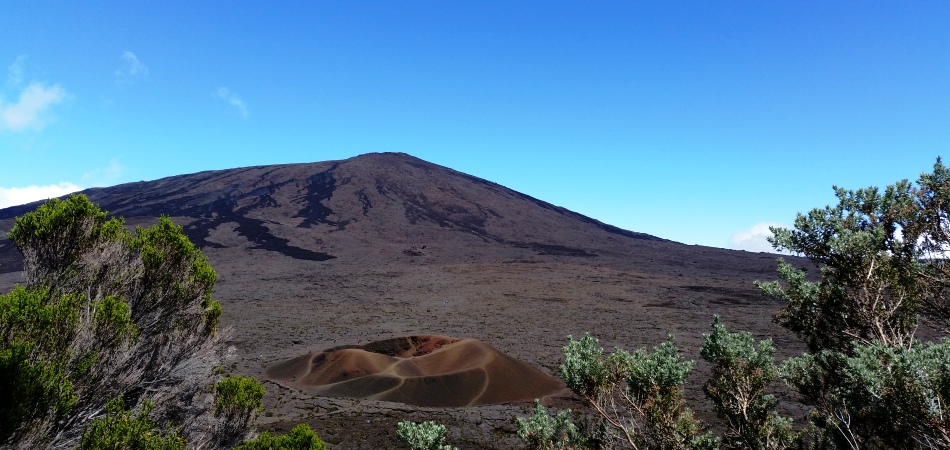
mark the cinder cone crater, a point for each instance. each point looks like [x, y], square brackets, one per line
[426, 370]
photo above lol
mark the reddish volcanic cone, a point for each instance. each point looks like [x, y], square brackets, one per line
[417, 370]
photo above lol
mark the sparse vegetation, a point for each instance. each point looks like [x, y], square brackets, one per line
[870, 382]
[741, 373]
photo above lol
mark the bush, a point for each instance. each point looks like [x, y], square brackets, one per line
[238, 396]
[638, 396]
[741, 372]
[106, 313]
[423, 436]
[301, 437]
[543, 432]
[120, 429]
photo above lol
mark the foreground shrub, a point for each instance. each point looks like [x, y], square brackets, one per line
[741, 372]
[238, 396]
[237, 400]
[883, 270]
[121, 429]
[543, 432]
[106, 313]
[423, 436]
[301, 437]
[638, 396]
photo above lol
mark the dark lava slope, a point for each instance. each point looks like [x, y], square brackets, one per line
[391, 197]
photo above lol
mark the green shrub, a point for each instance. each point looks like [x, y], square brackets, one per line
[301, 437]
[120, 429]
[423, 436]
[30, 388]
[741, 372]
[543, 432]
[638, 396]
[238, 396]
[105, 314]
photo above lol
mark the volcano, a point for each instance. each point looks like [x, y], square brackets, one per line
[322, 258]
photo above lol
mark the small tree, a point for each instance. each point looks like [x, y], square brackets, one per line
[238, 399]
[882, 263]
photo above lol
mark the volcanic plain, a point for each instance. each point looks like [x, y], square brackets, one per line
[369, 260]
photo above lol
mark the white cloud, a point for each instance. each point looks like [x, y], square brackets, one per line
[233, 100]
[19, 196]
[28, 112]
[104, 176]
[754, 239]
[131, 68]
[15, 72]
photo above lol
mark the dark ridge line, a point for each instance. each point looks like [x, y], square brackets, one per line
[497, 188]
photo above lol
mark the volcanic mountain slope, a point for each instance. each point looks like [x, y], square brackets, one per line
[300, 210]
[382, 246]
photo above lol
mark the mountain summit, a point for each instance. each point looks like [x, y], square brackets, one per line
[319, 211]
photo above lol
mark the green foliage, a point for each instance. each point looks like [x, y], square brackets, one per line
[639, 396]
[120, 429]
[61, 231]
[543, 432]
[741, 372]
[34, 315]
[870, 286]
[423, 436]
[174, 270]
[30, 388]
[212, 314]
[112, 320]
[238, 396]
[35, 379]
[301, 437]
[105, 314]
[882, 262]
[586, 372]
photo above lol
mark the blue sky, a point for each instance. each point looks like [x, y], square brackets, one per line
[693, 121]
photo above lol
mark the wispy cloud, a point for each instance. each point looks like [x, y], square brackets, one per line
[15, 72]
[754, 238]
[21, 195]
[131, 69]
[31, 109]
[33, 100]
[233, 100]
[104, 176]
